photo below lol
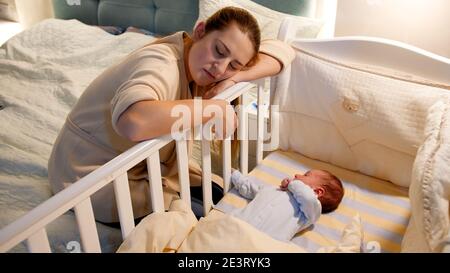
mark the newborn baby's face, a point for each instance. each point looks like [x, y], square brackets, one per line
[312, 178]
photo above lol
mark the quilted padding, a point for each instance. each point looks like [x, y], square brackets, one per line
[354, 119]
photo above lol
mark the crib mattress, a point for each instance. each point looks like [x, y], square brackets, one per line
[383, 207]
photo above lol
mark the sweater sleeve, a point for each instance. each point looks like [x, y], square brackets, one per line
[246, 186]
[148, 74]
[279, 50]
[307, 199]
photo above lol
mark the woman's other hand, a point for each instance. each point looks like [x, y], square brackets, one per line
[229, 122]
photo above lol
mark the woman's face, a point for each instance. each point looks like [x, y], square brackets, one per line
[219, 54]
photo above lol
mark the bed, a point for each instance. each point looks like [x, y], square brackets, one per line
[45, 69]
[386, 185]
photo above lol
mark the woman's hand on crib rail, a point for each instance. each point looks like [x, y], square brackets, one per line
[229, 124]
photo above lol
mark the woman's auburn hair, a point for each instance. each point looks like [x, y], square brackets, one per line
[224, 17]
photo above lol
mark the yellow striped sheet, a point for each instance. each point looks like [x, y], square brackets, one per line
[334, 223]
[266, 177]
[338, 226]
[346, 210]
[357, 196]
[316, 238]
[288, 170]
[379, 204]
[372, 219]
[375, 186]
[234, 200]
[371, 184]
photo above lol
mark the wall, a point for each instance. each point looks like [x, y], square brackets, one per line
[422, 23]
[33, 11]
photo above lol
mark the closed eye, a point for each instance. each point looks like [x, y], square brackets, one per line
[233, 68]
[219, 52]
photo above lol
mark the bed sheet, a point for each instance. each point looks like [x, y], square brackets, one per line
[383, 207]
[43, 71]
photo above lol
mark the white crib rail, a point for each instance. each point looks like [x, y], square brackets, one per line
[31, 227]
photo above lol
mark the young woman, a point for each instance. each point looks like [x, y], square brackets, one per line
[132, 102]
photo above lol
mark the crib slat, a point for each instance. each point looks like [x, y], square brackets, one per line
[226, 162]
[38, 242]
[156, 191]
[206, 172]
[243, 133]
[87, 226]
[183, 170]
[260, 122]
[124, 205]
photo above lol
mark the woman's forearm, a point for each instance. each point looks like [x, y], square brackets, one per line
[149, 119]
[265, 67]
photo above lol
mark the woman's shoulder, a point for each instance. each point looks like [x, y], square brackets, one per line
[162, 52]
[169, 47]
[150, 60]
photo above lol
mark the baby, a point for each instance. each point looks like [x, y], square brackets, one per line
[296, 204]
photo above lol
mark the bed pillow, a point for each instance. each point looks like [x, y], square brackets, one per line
[269, 20]
[428, 229]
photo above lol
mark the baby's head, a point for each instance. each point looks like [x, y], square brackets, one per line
[327, 186]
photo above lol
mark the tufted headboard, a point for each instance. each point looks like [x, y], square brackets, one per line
[158, 16]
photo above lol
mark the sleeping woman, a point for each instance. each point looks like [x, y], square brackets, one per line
[132, 102]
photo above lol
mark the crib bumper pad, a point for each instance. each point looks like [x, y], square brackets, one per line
[353, 117]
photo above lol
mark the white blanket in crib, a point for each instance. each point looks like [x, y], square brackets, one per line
[178, 231]
[43, 71]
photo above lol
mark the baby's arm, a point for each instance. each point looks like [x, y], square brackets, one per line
[307, 200]
[245, 185]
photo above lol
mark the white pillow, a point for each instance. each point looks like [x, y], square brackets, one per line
[269, 20]
[428, 229]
